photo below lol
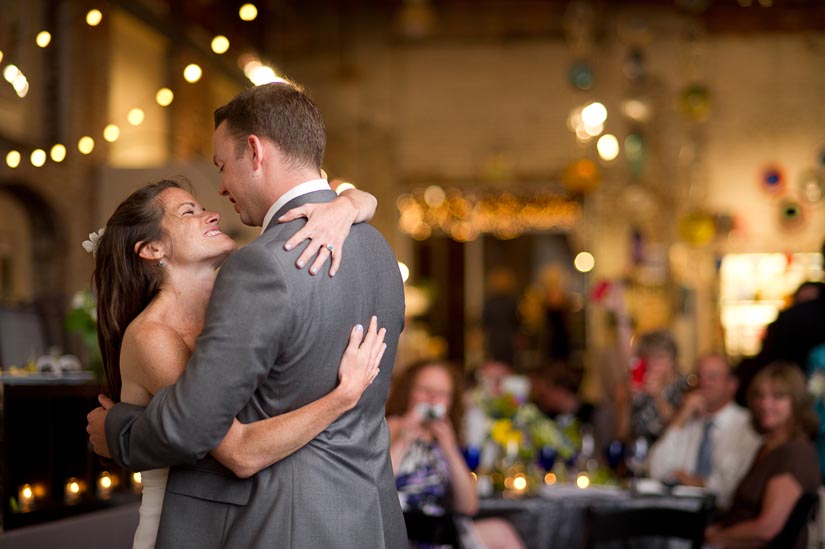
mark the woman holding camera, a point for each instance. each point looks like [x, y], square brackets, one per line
[433, 481]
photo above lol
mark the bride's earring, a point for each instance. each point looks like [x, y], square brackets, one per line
[160, 263]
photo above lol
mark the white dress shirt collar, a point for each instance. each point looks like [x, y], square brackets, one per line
[296, 191]
[723, 414]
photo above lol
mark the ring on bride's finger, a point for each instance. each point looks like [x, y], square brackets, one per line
[329, 247]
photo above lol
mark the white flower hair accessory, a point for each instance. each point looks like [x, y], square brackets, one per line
[91, 244]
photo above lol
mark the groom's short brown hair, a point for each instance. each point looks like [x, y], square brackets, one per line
[282, 113]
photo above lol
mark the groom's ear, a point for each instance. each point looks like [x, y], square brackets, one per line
[256, 149]
[153, 251]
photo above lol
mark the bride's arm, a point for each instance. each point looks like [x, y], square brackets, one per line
[248, 448]
[328, 224]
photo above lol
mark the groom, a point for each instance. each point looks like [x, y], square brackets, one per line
[271, 343]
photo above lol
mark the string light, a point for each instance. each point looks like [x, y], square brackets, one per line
[258, 73]
[111, 133]
[220, 44]
[94, 17]
[584, 262]
[192, 73]
[21, 85]
[343, 186]
[85, 145]
[58, 153]
[43, 39]
[248, 12]
[608, 147]
[164, 97]
[38, 158]
[13, 159]
[10, 73]
[136, 116]
[405, 271]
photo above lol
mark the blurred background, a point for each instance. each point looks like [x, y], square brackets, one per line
[542, 167]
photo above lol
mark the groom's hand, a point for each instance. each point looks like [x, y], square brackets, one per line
[96, 426]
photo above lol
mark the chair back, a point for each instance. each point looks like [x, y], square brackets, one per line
[605, 525]
[802, 513]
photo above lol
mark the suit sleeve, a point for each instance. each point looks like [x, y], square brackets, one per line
[247, 320]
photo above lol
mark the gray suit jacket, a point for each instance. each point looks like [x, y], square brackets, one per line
[272, 343]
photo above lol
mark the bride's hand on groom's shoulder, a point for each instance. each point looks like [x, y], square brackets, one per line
[96, 426]
[359, 366]
[327, 227]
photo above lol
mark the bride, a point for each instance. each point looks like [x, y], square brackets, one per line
[155, 266]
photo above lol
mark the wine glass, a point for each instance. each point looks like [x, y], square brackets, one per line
[615, 454]
[547, 457]
[637, 456]
[472, 455]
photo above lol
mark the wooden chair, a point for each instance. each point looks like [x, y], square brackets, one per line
[803, 512]
[623, 525]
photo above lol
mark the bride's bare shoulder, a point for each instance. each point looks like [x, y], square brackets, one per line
[153, 354]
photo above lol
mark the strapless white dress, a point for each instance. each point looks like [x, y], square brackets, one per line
[151, 504]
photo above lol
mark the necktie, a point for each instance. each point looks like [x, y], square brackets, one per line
[704, 459]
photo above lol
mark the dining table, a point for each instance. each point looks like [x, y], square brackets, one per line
[555, 516]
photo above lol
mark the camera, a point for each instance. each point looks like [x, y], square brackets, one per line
[429, 412]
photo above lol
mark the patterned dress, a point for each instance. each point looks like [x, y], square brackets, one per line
[646, 421]
[423, 483]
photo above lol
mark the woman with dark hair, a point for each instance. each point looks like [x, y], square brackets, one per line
[424, 411]
[155, 266]
[785, 467]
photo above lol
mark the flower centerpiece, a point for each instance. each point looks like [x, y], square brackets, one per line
[518, 433]
[82, 320]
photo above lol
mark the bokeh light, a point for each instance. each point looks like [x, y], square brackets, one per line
[38, 158]
[584, 262]
[608, 147]
[10, 73]
[136, 116]
[13, 159]
[192, 73]
[261, 74]
[343, 186]
[111, 133]
[594, 114]
[85, 145]
[20, 85]
[164, 97]
[43, 38]
[94, 17]
[58, 152]
[220, 44]
[248, 12]
[405, 271]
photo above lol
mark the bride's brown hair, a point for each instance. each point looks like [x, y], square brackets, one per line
[123, 282]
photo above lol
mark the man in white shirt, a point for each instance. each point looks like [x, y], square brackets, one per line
[710, 442]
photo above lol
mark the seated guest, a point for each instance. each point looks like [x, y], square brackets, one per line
[432, 477]
[554, 389]
[658, 387]
[710, 441]
[785, 467]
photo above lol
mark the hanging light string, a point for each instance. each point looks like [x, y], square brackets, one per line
[253, 68]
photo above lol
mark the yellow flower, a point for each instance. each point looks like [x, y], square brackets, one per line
[501, 431]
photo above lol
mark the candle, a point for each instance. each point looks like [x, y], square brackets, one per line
[137, 483]
[520, 483]
[104, 485]
[72, 493]
[26, 498]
